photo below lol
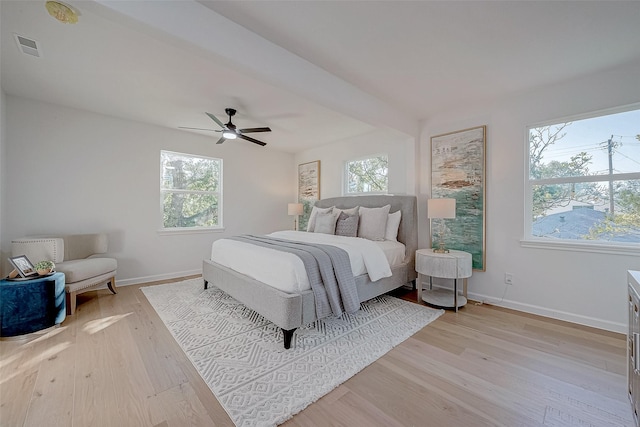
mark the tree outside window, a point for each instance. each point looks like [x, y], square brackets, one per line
[584, 179]
[190, 191]
[369, 175]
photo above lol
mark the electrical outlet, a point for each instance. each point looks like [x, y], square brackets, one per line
[508, 278]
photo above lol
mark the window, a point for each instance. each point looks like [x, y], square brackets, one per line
[369, 175]
[584, 179]
[190, 191]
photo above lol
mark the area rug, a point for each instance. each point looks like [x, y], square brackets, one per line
[240, 355]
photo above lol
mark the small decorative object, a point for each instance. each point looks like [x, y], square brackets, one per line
[441, 209]
[295, 210]
[62, 12]
[44, 267]
[23, 265]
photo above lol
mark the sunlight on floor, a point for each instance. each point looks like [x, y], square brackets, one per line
[49, 353]
[99, 324]
[29, 343]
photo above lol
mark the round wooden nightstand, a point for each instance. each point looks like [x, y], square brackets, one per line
[451, 265]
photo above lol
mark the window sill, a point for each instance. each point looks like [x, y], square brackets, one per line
[195, 230]
[602, 248]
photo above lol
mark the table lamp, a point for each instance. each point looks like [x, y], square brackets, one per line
[441, 209]
[295, 209]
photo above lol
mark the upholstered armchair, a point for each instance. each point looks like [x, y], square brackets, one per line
[74, 255]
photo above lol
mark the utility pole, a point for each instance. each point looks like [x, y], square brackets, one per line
[610, 150]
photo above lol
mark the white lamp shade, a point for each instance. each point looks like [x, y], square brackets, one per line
[295, 208]
[441, 208]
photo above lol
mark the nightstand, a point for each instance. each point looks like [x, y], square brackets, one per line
[451, 265]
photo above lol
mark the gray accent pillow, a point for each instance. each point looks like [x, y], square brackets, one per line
[347, 225]
[373, 222]
[325, 223]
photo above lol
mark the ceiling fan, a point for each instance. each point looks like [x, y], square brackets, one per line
[229, 130]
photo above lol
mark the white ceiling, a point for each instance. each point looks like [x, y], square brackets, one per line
[314, 71]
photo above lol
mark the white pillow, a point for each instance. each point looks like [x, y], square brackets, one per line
[312, 218]
[373, 222]
[325, 223]
[351, 211]
[393, 223]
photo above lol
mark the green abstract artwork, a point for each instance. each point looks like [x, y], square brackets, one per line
[458, 172]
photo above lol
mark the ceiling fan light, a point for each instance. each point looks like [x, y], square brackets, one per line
[62, 12]
[229, 135]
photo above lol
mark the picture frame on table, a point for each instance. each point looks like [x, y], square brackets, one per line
[23, 266]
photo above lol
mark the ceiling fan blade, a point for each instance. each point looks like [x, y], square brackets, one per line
[210, 130]
[249, 130]
[255, 141]
[215, 119]
[221, 140]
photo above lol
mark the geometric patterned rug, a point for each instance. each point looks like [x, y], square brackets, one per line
[240, 355]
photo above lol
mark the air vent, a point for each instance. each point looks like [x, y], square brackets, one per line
[28, 46]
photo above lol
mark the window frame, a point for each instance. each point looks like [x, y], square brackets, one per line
[583, 245]
[218, 194]
[345, 176]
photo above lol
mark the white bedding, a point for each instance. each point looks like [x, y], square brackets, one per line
[286, 272]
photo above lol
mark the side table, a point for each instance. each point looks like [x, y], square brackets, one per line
[451, 265]
[29, 306]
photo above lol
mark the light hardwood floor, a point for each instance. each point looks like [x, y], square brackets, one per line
[115, 364]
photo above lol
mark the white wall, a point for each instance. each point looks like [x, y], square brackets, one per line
[587, 288]
[72, 171]
[333, 157]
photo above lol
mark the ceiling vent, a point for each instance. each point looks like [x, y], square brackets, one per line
[28, 46]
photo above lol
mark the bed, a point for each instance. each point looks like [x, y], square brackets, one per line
[292, 309]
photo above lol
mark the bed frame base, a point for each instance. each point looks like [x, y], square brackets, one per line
[289, 311]
[288, 335]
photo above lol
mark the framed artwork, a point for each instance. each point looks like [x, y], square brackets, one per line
[23, 266]
[308, 190]
[458, 172]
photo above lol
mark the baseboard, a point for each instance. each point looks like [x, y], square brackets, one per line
[155, 278]
[554, 314]
[546, 312]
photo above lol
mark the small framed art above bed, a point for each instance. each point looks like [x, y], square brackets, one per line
[308, 190]
[368, 241]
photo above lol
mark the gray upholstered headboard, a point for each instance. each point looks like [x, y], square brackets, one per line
[408, 230]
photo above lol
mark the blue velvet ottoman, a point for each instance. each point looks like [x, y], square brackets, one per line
[31, 305]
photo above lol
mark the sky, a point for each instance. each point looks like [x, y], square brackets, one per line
[591, 135]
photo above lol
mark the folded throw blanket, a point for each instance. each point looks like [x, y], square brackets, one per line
[329, 271]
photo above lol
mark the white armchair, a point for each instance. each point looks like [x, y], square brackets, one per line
[74, 256]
